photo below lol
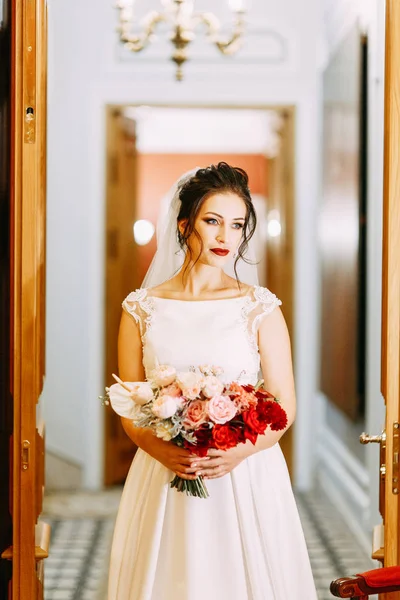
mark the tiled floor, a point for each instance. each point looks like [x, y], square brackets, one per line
[82, 526]
[331, 546]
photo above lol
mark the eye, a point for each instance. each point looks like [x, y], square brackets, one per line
[239, 225]
[211, 221]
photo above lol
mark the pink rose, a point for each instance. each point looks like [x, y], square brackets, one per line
[221, 409]
[196, 414]
[174, 391]
[212, 386]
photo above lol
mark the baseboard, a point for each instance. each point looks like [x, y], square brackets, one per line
[61, 473]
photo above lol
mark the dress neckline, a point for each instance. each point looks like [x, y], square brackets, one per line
[247, 295]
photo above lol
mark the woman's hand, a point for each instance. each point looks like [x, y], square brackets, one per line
[218, 463]
[176, 459]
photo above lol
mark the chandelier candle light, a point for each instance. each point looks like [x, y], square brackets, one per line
[183, 20]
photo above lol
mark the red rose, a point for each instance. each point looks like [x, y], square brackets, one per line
[226, 436]
[255, 420]
[204, 441]
[251, 435]
[273, 413]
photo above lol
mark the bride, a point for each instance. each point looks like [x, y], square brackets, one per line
[245, 542]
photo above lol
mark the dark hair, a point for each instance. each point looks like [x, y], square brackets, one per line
[215, 179]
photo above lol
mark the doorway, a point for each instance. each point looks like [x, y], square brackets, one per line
[148, 148]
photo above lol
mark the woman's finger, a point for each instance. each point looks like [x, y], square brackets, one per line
[184, 460]
[215, 476]
[214, 452]
[211, 463]
[188, 469]
[214, 471]
[185, 475]
[193, 460]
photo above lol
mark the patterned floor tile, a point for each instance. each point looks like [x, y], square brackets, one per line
[82, 527]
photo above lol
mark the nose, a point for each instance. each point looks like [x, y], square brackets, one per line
[223, 236]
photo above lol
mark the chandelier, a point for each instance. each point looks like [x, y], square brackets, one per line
[184, 20]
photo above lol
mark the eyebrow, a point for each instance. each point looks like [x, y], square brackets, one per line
[221, 217]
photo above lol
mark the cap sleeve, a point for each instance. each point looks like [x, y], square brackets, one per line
[135, 305]
[264, 303]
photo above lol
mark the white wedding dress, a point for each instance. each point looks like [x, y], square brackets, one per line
[245, 542]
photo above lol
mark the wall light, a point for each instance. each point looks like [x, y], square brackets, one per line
[274, 227]
[143, 231]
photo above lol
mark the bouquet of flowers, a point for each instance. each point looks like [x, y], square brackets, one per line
[196, 410]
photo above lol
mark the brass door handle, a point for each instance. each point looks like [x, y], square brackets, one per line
[365, 438]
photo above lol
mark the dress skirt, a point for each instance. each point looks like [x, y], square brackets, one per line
[244, 542]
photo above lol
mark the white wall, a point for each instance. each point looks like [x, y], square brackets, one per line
[350, 473]
[87, 70]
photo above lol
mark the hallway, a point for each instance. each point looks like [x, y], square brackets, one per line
[82, 525]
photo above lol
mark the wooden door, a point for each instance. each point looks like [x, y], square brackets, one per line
[27, 290]
[390, 489]
[121, 272]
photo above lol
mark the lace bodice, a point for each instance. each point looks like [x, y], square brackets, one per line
[186, 333]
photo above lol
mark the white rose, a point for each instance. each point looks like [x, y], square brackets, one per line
[190, 384]
[141, 392]
[163, 375]
[165, 406]
[212, 386]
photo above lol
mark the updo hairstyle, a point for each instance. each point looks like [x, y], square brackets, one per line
[215, 179]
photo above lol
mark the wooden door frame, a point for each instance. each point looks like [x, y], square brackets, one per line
[288, 112]
[390, 382]
[27, 291]
[119, 252]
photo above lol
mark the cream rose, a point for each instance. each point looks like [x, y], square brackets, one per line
[221, 409]
[163, 375]
[164, 431]
[172, 390]
[211, 370]
[175, 391]
[212, 386]
[141, 392]
[190, 384]
[165, 406]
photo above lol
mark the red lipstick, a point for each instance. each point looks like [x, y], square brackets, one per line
[220, 251]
